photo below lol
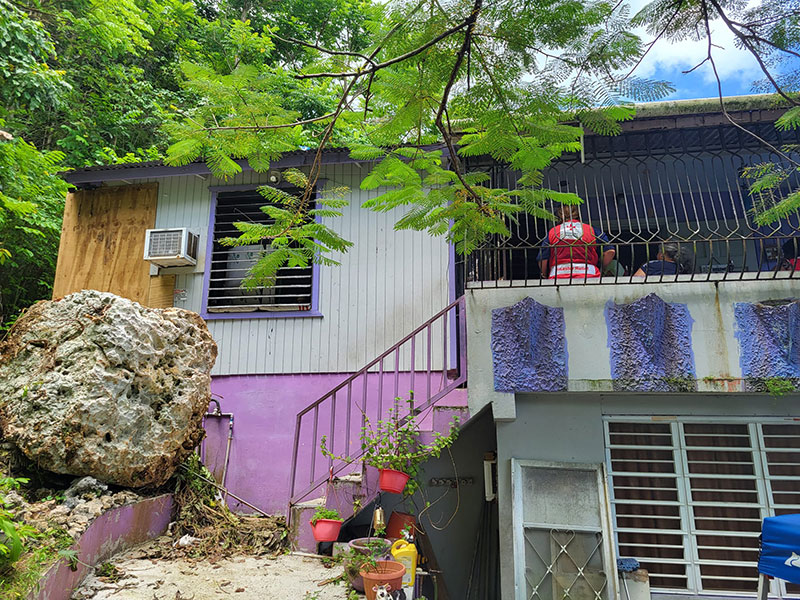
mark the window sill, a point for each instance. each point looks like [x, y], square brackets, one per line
[292, 314]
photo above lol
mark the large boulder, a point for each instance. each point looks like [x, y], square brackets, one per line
[94, 384]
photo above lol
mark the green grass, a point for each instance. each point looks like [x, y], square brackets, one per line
[40, 553]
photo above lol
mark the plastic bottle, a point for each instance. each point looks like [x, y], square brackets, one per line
[406, 553]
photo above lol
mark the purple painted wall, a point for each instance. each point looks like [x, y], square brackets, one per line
[529, 348]
[108, 534]
[769, 341]
[650, 343]
[265, 407]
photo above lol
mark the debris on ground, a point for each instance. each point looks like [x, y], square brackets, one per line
[82, 378]
[205, 526]
[143, 577]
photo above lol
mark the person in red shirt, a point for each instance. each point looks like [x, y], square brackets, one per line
[789, 250]
[571, 248]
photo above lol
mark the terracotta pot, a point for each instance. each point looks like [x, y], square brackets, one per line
[397, 522]
[385, 572]
[360, 545]
[326, 530]
[392, 481]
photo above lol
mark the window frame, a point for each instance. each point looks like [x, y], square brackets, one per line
[763, 481]
[313, 312]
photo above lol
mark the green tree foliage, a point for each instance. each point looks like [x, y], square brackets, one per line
[87, 82]
[432, 85]
[330, 23]
[26, 79]
[770, 32]
[297, 237]
[31, 204]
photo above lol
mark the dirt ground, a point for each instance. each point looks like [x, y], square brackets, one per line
[287, 577]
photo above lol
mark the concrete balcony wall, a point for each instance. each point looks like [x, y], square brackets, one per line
[690, 336]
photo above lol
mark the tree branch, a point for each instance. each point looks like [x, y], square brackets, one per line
[469, 22]
[267, 127]
[746, 43]
[291, 40]
[392, 61]
[710, 58]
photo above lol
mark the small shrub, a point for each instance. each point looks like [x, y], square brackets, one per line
[326, 513]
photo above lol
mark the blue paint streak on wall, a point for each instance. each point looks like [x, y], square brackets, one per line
[650, 344]
[769, 339]
[529, 348]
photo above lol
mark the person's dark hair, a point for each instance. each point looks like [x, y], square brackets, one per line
[790, 248]
[681, 255]
[569, 212]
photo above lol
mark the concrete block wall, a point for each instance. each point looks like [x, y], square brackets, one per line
[673, 337]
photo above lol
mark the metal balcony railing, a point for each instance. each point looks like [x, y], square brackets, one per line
[431, 362]
[647, 188]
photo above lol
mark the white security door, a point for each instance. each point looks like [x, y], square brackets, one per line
[563, 548]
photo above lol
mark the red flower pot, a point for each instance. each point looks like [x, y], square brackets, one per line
[397, 522]
[326, 530]
[392, 481]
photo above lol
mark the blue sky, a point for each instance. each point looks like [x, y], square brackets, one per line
[737, 68]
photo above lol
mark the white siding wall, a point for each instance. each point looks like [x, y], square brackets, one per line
[388, 283]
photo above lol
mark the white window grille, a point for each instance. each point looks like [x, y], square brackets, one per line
[293, 288]
[689, 496]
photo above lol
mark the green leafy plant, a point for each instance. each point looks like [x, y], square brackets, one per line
[326, 513]
[40, 551]
[296, 238]
[779, 386]
[12, 532]
[394, 443]
[108, 571]
[71, 556]
[353, 561]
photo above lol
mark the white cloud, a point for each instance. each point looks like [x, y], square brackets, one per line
[733, 64]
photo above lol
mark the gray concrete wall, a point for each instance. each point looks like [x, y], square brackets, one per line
[568, 427]
[455, 543]
[710, 306]
[453, 521]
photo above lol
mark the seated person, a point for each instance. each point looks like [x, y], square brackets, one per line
[571, 248]
[668, 262]
[790, 251]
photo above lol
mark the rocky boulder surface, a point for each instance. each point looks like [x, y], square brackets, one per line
[83, 502]
[94, 384]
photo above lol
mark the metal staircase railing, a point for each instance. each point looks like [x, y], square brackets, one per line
[431, 361]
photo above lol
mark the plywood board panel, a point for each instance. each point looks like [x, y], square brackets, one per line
[161, 292]
[102, 241]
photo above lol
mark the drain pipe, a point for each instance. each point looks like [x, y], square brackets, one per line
[227, 455]
[219, 414]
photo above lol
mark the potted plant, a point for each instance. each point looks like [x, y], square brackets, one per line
[382, 573]
[325, 524]
[393, 447]
[376, 547]
[353, 561]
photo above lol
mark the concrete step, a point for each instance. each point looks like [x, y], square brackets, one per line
[345, 493]
[440, 420]
[352, 489]
[300, 530]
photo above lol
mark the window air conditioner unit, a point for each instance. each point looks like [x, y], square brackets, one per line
[175, 247]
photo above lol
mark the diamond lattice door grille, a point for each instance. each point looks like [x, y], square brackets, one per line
[564, 565]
